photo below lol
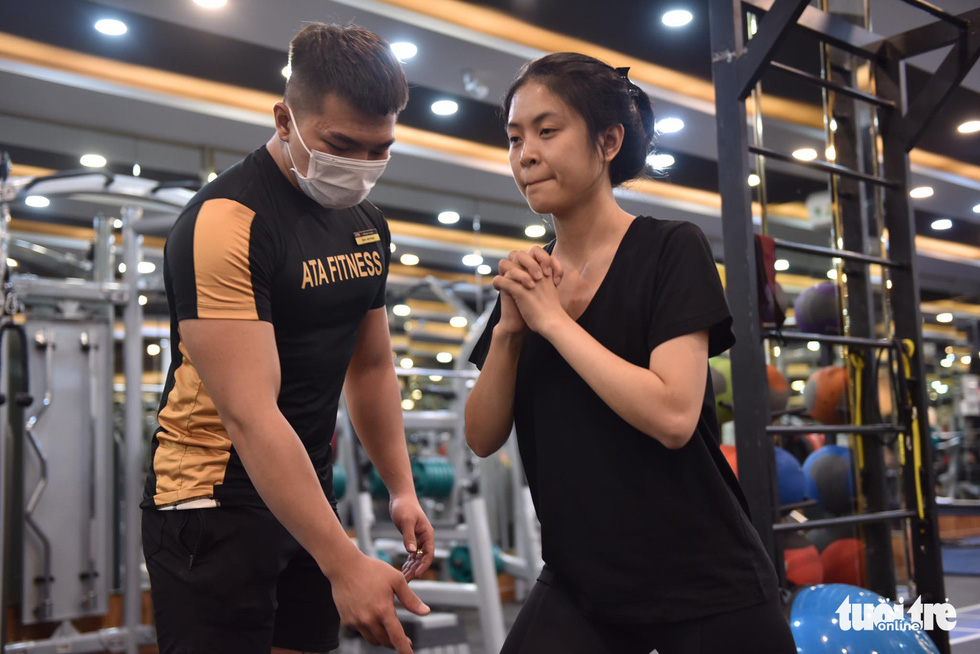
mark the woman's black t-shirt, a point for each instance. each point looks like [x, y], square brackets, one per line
[633, 531]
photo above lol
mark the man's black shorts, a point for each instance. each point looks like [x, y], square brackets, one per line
[232, 579]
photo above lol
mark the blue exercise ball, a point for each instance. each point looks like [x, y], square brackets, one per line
[830, 479]
[817, 629]
[791, 478]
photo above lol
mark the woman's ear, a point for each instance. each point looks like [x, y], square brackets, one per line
[611, 141]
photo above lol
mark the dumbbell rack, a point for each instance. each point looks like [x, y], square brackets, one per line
[467, 521]
[130, 195]
[899, 121]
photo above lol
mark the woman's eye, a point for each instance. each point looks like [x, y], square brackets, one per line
[514, 139]
[547, 131]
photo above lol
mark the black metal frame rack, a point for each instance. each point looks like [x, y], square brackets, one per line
[863, 181]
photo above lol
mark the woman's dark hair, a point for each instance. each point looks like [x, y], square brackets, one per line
[351, 61]
[604, 97]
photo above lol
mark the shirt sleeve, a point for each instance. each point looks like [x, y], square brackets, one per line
[479, 354]
[385, 231]
[688, 295]
[218, 263]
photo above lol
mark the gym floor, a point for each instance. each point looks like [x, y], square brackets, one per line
[964, 594]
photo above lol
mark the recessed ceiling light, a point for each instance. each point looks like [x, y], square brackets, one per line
[408, 403]
[37, 201]
[92, 161]
[444, 357]
[966, 359]
[444, 107]
[830, 153]
[832, 273]
[401, 310]
[833, 125]
[660, 161]
[435, 378]
[137, 170]
[474, 259]
[944, 317]
[448, 217]
[969, 127]
[976, 208]
[942, 224]
[212, 176]
[393, 247]
[669, 125]
[117, 223]
[111, 27]
[153, 349]
[404, 50]
[484, 269]
[146, 267]
[805, 154]
[754, 180]
[122, 268]
[458, 321]
[211, 4]
[406, 363]
[535, 231]
[813, 346]
[798, 385]
[781, 265]
[142, 300]
[409, 260]
[677, 18]
[287, 70]
[921, 192]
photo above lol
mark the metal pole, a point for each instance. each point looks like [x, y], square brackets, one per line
[102, 252]
[4, 414]
[485, 574]
[133, 363]
[754, 447]
[852, 119]
[899, 219]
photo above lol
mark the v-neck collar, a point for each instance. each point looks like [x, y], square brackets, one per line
[616, 255]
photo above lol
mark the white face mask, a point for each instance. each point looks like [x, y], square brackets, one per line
[335, 182]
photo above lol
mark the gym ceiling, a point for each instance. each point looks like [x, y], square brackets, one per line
[187, 91]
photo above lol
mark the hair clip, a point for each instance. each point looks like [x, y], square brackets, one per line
[631, 88]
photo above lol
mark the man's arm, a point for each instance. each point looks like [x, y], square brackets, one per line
[374, 402]
[238, 363]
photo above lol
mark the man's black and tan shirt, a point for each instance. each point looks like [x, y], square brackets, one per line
[250, 246]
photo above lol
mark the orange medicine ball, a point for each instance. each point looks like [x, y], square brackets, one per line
[825, 395]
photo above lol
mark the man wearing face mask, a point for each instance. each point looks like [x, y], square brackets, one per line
[275, 273]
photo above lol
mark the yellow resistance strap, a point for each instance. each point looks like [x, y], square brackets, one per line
[908, 350]
[857, 362]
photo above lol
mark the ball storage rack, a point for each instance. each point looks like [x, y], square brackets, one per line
[873, 226]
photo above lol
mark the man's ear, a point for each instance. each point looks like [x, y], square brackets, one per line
[284, 125]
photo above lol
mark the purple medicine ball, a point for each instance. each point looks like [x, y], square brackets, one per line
[817, 309]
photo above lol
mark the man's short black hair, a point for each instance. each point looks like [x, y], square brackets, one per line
[355, 63]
